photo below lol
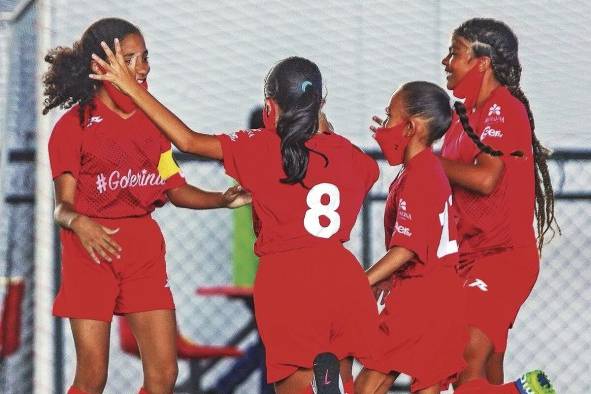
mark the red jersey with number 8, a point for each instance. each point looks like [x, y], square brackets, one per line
[324, 208]
[420, 215]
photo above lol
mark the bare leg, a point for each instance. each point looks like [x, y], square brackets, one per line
[295, 383]
[91, 338]
[435, 389]
[155, 332]
[477, 354]
[387, 383]
[494, 368]
[369, 381]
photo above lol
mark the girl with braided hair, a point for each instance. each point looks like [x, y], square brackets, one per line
[499, 176]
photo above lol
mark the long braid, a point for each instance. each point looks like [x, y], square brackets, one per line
[463, 115]
[497, 41]
[545, 218]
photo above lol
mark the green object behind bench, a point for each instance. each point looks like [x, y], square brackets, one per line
[244, 261]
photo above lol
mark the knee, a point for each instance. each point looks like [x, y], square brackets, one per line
[162, 379]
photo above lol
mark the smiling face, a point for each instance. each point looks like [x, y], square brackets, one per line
[134, 45]
[458, 61]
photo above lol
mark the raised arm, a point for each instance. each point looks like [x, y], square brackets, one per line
[123, 76]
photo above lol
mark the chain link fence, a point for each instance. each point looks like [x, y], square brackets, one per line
[208, 62]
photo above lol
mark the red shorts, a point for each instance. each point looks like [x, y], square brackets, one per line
[135, 283]
[423, 332]
[313, 300]
[495, 287]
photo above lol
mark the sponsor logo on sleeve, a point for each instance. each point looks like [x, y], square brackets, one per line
[402, 230]
[249, 133]
[494, 115]
[490, 132]
[402, 210]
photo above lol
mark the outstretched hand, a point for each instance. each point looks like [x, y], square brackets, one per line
[116, 70]
[236, 197]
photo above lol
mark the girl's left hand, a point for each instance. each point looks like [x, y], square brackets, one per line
[236, 197]
[116, 71]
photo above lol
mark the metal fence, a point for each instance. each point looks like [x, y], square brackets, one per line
[549, 334]
[553, 329]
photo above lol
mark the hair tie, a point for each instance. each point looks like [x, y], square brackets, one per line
[305, 84]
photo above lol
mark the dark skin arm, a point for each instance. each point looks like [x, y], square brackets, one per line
[189, 196]
[380, 273]
[481, 176]
[96, 239]
[123, 76]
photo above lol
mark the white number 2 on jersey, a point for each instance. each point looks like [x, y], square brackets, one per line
[446, 246]
[317, 209]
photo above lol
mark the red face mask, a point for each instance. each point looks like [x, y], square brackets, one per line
[392, 142]
[269, 117]
[123, 101]
[469, 86]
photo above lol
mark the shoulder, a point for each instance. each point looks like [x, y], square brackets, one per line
[505, 109]
[68, 122]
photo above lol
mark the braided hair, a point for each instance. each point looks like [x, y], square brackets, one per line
[295, 84]
[494, 39]
[66, 83]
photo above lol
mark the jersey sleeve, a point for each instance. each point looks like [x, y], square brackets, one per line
[504, 126]
[65, 146]
[411, 229]
[168, 168]
[242, 151]
[367, 167]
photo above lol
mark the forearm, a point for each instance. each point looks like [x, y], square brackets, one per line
[180, 134]
[387, 265]
[471, 176]
[189, 196]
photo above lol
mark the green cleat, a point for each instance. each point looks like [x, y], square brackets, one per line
[534, 382]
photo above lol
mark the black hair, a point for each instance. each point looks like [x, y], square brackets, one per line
[430, 102]
[295, 84]
[494, 39]
[66, 83]
[255, 118]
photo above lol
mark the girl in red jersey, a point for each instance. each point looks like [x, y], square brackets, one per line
[497, 168]
[424, 335]
[308, 185]
[111, 168]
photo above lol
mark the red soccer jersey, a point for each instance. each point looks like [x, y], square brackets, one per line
[504, 218]
[119, 164]
[420, 216]
[293, 216]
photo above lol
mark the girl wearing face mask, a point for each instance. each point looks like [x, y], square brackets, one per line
[111, 168]
[500, 181]
[423, 334]
[308, 185]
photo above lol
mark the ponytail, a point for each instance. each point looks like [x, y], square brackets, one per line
[296, 85]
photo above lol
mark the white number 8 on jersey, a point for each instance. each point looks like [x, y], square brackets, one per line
[317, 209]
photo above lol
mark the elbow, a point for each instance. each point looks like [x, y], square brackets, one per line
[488, 185]
[183, 145]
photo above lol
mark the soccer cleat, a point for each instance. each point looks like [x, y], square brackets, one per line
[326, 374]
[534, 382]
